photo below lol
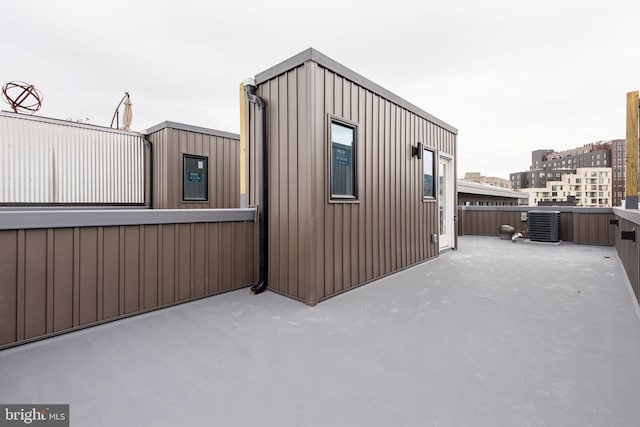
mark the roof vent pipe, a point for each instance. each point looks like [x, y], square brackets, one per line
[250, 91]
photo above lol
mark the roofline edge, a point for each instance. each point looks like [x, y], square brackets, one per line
[321, 59]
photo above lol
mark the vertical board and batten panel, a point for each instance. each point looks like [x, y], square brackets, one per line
[49, 161]
[566, 226]
[593, 229]
[590, 228]
[629, 253]
[88, 275]
[289, 170]
[58, 280]
[319, 247]
[169, 145]
[390, 207]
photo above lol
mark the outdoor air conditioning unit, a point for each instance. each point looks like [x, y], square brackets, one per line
[544, 226]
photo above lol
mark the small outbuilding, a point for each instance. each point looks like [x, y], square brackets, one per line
[194, 167]
[359, 182]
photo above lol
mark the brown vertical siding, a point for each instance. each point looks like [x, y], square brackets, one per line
[591, 228]
[56, 280]
[224, 168]
[629, 253]
[318, 247]
[88, 275]
[35, 282]
[8, 286]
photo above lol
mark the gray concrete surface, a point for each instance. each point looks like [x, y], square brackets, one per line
[495, 334]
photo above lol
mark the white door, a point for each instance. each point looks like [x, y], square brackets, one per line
[445, 202]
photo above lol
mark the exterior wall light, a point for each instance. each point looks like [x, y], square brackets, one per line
[416, 151]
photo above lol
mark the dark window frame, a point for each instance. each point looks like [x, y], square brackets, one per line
[186, 156]
[434, 171]
[343, 198]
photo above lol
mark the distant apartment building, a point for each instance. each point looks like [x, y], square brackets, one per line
[590, 187]
[618, 159]
[550, 166]
[491, 180]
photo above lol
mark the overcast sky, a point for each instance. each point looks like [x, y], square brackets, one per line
[511, 76]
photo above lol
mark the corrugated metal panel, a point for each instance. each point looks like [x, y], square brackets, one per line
[52, 162]
[57, 280]
[319, 248]
[170, 144]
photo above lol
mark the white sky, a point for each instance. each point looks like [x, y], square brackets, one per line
[511, 76]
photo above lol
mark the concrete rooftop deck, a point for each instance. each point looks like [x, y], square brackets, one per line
[495, 334]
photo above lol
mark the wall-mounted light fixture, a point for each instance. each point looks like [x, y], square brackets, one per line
[416, 151]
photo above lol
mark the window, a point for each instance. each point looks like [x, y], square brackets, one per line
[343, 160]
[195, 178]
[428, 191]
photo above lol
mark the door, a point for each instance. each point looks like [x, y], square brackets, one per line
[445, 202]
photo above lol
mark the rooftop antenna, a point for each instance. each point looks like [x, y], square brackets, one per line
[22, 97]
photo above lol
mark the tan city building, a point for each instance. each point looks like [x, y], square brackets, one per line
[590, 187]
[491, 180]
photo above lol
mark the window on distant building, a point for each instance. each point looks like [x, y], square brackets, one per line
[343, 160]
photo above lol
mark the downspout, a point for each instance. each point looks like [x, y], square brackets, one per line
[145, 138]
[261, 284]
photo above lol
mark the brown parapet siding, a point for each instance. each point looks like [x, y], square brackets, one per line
[577, 225]
[99, 274]
[629, 254]
[628, 251]
[8, 286]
